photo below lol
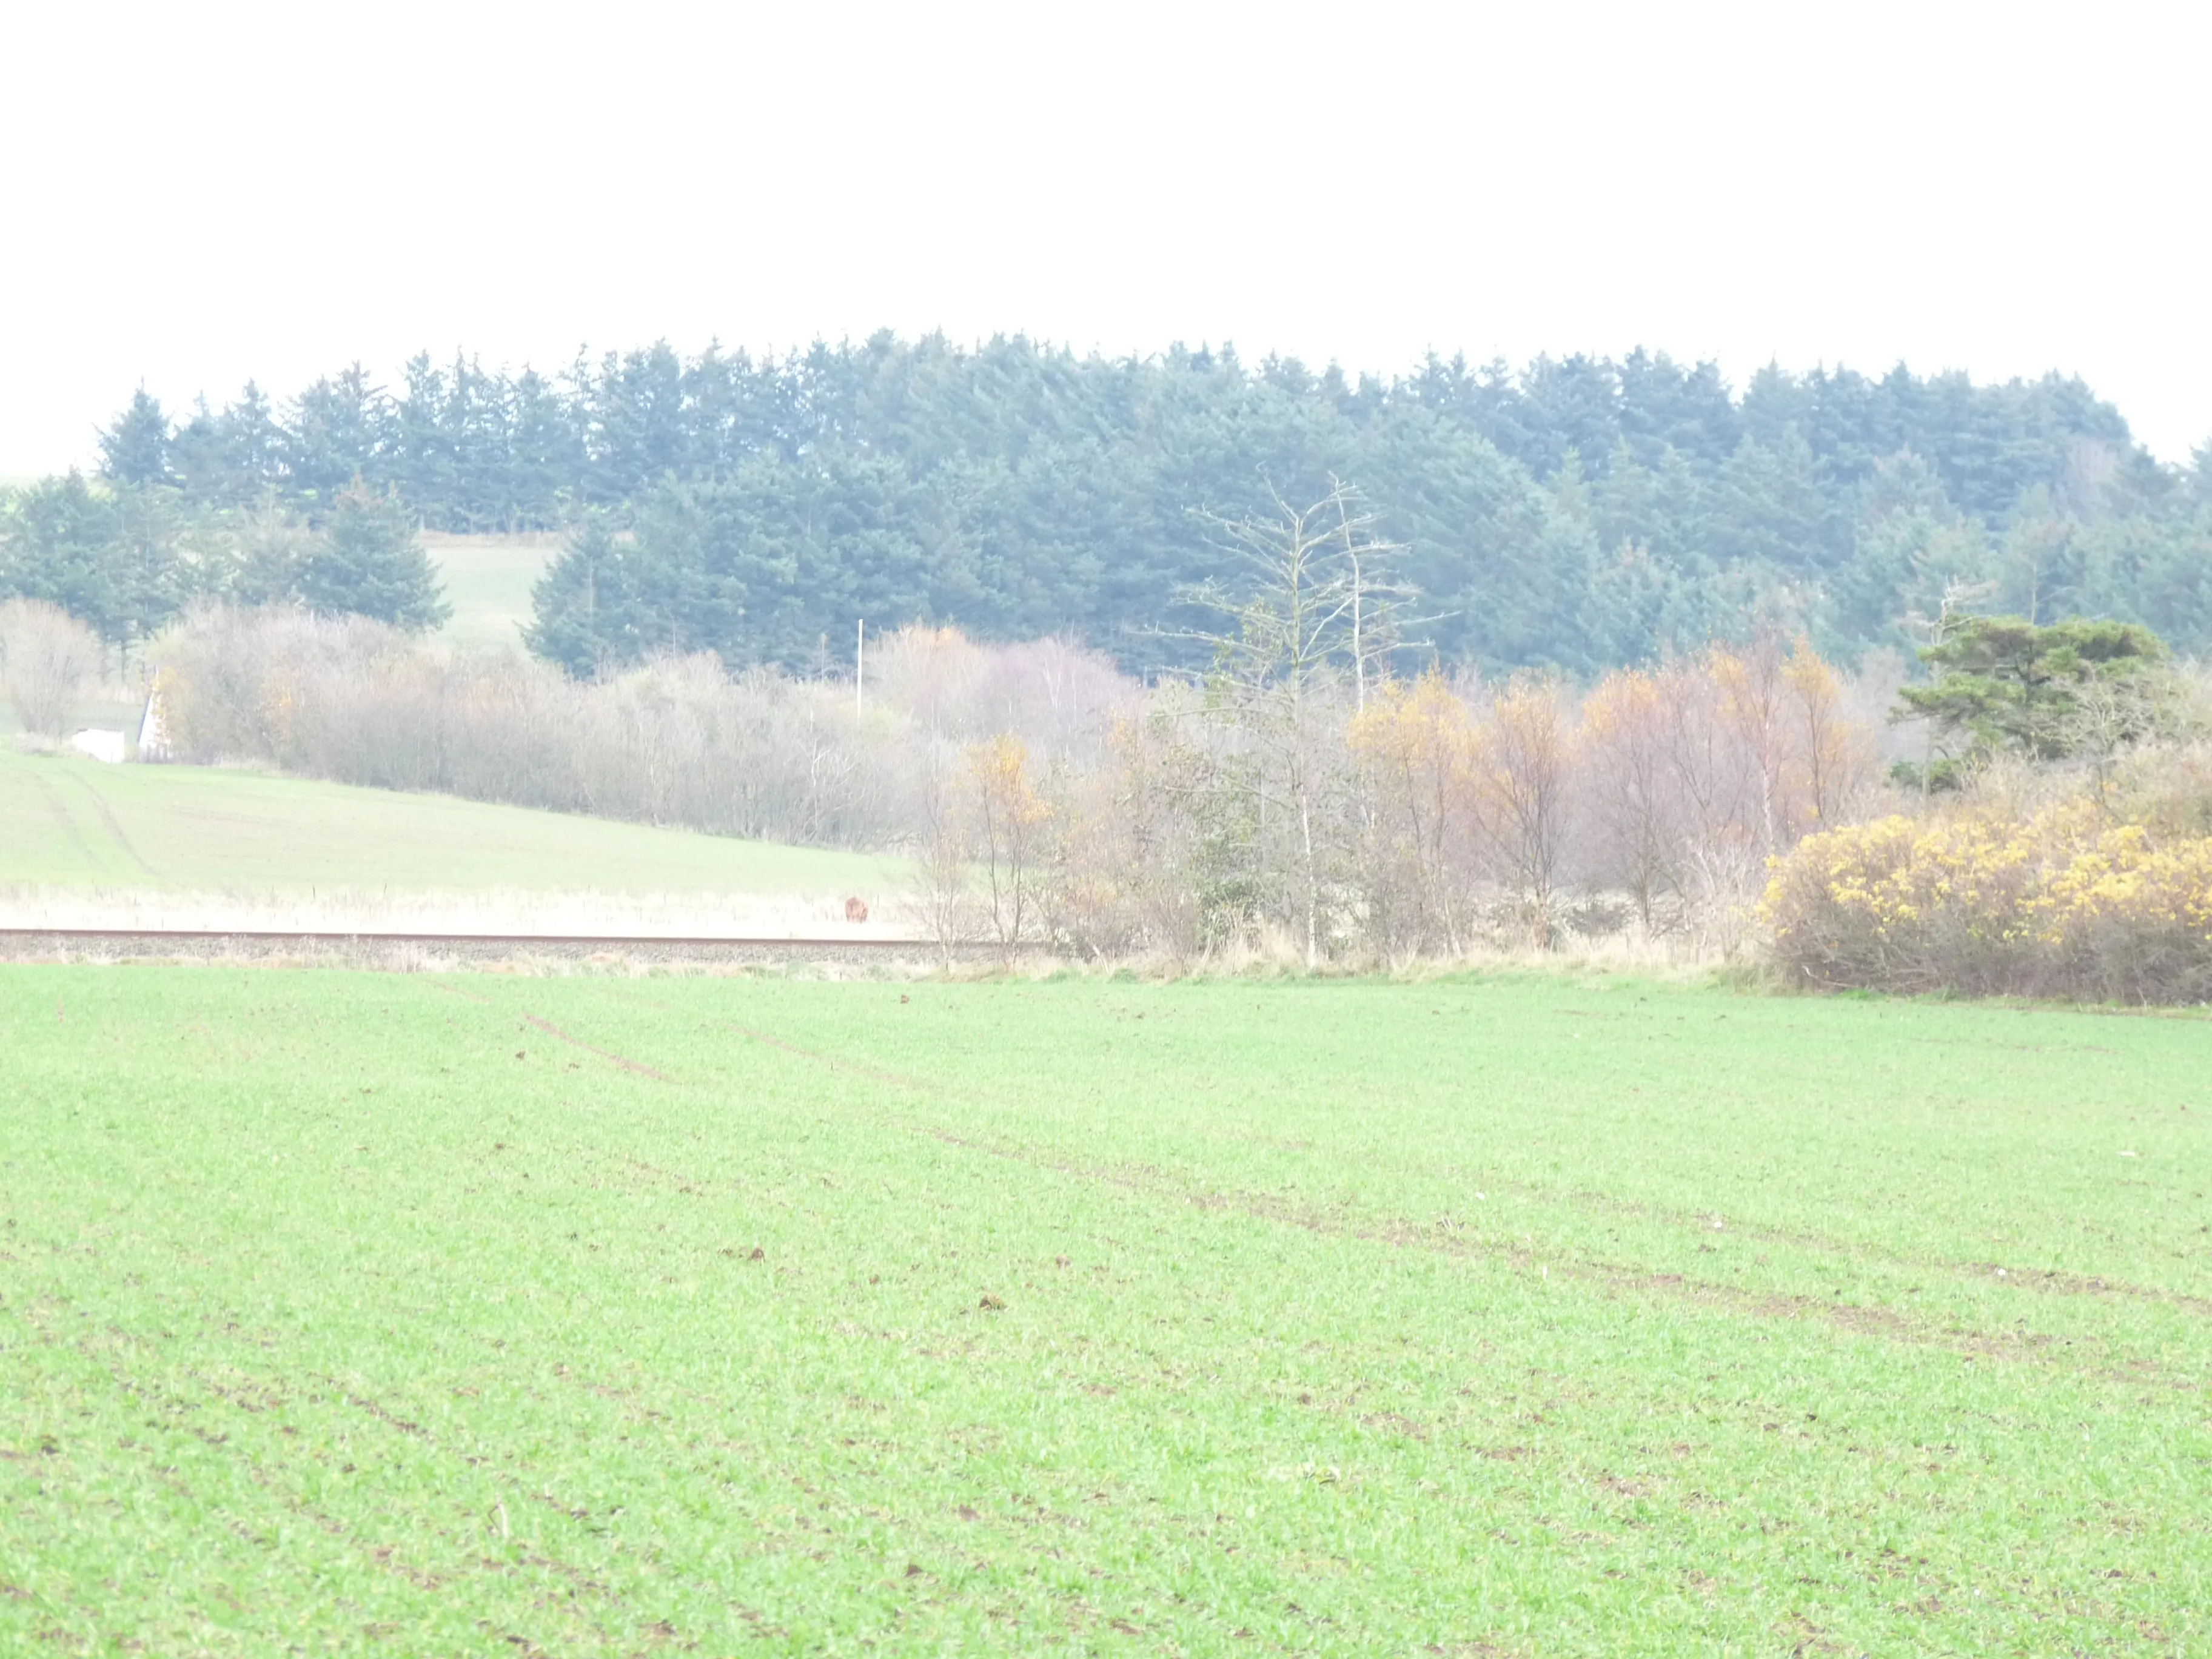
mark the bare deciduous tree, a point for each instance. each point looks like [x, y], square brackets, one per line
[1528, 753]
[944, 874]
[1011, 820]
[1752, 689]
[1421, 755]
[1628, 790]
[1834, 762]
[1133, 859]
[1310, 575]
[47, 658]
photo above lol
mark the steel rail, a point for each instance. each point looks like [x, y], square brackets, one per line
[379, 936]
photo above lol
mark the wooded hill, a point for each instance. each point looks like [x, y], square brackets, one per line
[1579, 513]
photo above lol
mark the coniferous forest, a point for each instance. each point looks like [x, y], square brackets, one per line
[1576, 514]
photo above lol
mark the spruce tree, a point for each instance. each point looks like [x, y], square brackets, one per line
[60, 544]
[135, 449]
[586, 603]
[366, 563]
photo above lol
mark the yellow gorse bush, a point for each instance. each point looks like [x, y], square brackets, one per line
[2063, 904]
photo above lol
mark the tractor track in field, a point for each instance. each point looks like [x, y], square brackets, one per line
[114, 826]
[64, 816]
[552, 1030]
[537, 1022]
[1855, 1318]
[1447, 1237]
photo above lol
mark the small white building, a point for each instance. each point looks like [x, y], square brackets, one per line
[101, 744]
[152, 730]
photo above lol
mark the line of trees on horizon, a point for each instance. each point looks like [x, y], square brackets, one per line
[1576, 515]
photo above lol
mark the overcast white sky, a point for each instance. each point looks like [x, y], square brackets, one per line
[197, 194]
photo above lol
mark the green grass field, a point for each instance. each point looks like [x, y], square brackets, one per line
[73, 821]
[488, 580]
[350, 1314]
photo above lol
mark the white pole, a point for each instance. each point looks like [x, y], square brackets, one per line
[859, 663]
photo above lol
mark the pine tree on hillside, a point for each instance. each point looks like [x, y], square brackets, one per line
[260, 557]
[59, 543]
[135, 449]
[340, 430]
[586, 603]
[368, 563]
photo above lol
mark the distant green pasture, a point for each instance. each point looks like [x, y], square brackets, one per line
[488, 580]
[74, 822]
[343, 1314]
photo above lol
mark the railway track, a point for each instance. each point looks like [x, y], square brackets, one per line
[373, 946]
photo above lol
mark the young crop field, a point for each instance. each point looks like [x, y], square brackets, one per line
[71, 822]
[348, 1314]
